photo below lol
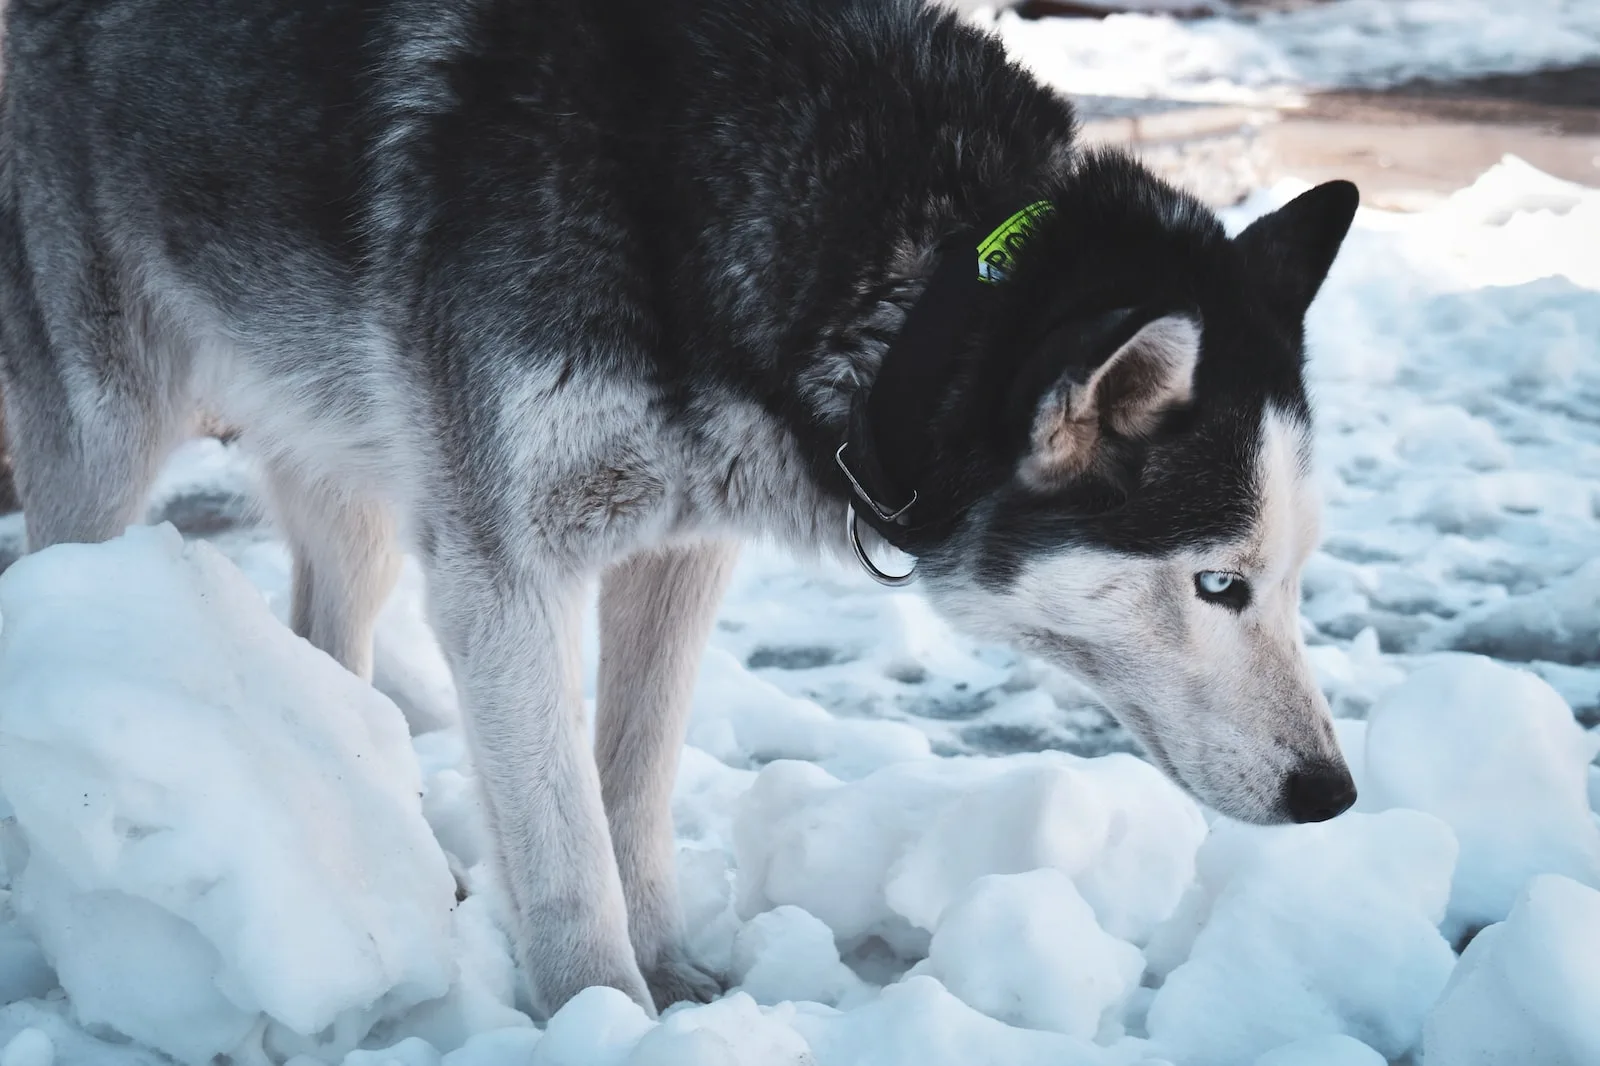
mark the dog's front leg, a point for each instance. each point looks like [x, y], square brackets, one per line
[515, 649]
[655, 612]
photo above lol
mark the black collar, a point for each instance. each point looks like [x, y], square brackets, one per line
[886, 448]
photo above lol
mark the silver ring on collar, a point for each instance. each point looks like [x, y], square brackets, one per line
[853, 523]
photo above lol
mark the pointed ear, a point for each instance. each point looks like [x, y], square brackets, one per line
[1289, 251]
[1127, 393]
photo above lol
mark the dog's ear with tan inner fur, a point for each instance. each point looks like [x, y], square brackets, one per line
[1125, 393]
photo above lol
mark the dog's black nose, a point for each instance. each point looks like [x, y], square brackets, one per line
[1319, 791]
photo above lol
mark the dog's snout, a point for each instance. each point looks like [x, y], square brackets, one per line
[1319, 791]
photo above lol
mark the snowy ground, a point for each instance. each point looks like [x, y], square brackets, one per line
[1275, 55]
[219, 843]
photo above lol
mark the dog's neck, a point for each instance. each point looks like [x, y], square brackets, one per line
[844, 363]
[802, 259]
[886, 383]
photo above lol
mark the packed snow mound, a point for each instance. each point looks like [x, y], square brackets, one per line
[1306, 931]
[885, 856]
[22, 1024]
[31, 1047]
[1061, 972]
[786, 954]
[220, 823]
[1494, 752]
[1526, 989]
[1334, 1050]
[917, 1022]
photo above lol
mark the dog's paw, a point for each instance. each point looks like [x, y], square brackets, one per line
[677, 980]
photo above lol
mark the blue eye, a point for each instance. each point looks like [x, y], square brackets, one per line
[1224, 588]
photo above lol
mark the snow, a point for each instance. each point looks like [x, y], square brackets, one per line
[215, 842]
[31, 1047]
[744, 720]
[1274, 56]
[886, 856]
[1312, 930]
[787, 954]
[1063, 972]
[1334, 1050]
[1496, 754]
[917, 1021]
[222, 827]
[1525, 990]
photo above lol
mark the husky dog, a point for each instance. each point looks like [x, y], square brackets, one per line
[548, 290]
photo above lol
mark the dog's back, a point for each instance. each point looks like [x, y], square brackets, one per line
[357, 231]
[296, 195]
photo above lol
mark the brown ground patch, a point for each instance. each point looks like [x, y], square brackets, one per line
[1435, 136]
[1402, 145]
[1564, 100]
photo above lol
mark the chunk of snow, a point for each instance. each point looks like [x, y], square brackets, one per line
[1511, 187]
[886, 855]
[1335, 1049]
[481, 998]
[733, 1031]
[1304, 931]
[31, 1047]
[1495, 752]
[221, 821]
[1527, 990]
[787, 954]
[1055, 969]
[803, 837]
[919, 1023]
[597, 1027]
[69, 1045]
[1124, 833]
[408, 1052]
[495, 1048]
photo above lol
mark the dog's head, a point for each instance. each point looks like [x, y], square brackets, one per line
[1142, 381]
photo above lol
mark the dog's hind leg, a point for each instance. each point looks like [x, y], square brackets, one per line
[513, 641]
[656, 610]
[95, 397]
[345, 563]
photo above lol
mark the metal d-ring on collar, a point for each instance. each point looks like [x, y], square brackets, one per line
[853, 525]
[921, 357]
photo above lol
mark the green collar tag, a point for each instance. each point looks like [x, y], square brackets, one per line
[996, 251]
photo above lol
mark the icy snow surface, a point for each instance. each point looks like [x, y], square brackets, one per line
[1273, 55]
[214, 841]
